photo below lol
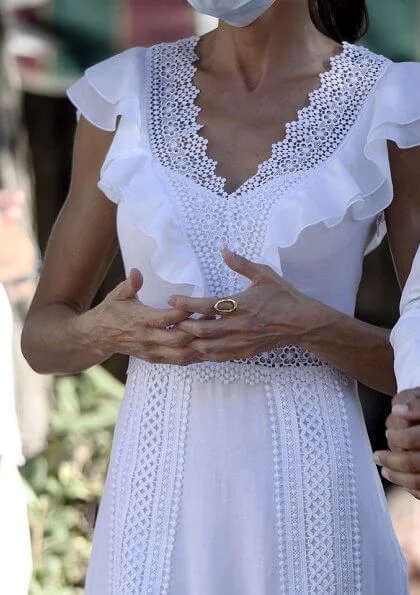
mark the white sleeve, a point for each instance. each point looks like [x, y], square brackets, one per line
[108, 96]
[405, 336]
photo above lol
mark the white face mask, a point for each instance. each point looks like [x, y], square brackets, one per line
[238, 13]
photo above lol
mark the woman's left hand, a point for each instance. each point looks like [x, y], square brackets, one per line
[270, 313]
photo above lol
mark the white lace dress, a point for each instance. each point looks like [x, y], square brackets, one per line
[252, 477]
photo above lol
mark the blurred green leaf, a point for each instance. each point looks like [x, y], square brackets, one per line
[36, 473]
[64, 482]
[105, 382]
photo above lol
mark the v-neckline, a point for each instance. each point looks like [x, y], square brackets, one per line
[302, 114]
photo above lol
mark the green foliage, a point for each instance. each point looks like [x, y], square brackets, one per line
[65, 481]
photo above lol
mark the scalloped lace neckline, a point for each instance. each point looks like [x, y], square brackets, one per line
[310, 140]
[289, 128]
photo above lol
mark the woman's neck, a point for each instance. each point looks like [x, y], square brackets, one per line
[282, 40]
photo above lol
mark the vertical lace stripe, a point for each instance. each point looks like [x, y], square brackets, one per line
[317, 512]
[153, 492]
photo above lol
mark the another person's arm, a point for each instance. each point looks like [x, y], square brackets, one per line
[401, 465]
[405, 336]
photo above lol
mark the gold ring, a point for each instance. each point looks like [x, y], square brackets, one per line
[218, 306]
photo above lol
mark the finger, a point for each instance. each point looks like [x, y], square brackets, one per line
[247, 268]
[203, 306]
[393, 422]
[208, 329]
[174, 356]
[170, 338]
[406, 405]
[405, 480]
[408, 439]
[161, 317]
[404, 462]
[128, 289]
[218, 350]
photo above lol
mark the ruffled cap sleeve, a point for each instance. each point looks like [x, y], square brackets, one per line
[101, 93]
[108, 96]
[356, 178]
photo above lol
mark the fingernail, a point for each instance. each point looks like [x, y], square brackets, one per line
[376, 459]
[385, 474]
[171, 301]
[400, 409]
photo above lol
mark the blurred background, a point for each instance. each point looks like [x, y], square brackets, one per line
[65, 425]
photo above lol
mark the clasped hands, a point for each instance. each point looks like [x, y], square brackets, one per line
[401, 464]
[271, 313]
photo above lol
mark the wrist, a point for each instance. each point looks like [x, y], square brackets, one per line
[319, 321]
[91, 333]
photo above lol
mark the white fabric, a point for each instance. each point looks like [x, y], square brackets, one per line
[10, 442]
[15, 542]
[15, 546]
[238, 13]
[251, 477]
[405, 336]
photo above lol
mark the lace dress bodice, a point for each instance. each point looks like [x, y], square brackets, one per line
[209, 217]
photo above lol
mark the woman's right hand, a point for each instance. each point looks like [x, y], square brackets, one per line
[122, 324]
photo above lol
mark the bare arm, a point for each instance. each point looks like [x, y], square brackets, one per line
[81, 248]
[359, 349]
[362, 350]
[61, 334]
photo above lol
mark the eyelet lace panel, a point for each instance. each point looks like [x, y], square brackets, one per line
[210, 218]
[314, 482]
[119, 476]
[146, 511]
[314, 485]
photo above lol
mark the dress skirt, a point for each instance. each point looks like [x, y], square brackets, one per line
[240, 479]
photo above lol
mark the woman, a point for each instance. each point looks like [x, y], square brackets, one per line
[241, 463]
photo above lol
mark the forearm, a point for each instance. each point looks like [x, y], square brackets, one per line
[359, 349]
[58, 340]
